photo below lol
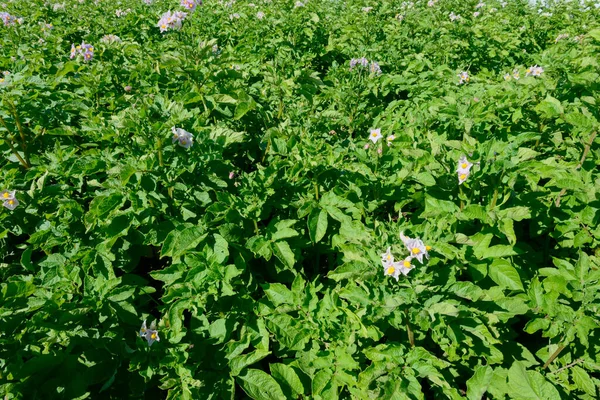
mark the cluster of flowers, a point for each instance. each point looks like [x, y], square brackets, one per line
[185, 139]
[515, 74]
[464, 169]
[10, 20]
[464, 77]
[110, 39]
[171, 20]
[191, 5]
[150, 334]
[364, 63]
[121, 13]
[534, 71]
[9, 199]
[86, 50]
[454, 17]
[375, 135]
[416, 248]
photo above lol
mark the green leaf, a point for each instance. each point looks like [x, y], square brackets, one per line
[321, 380]
[317, 224]
[101, 207]
[284, 253]
[286, 375]
[349, 270]
[529, 385]
[178, 241]
[583, 380]
[278, 293]
[505, 275]
[550, 107]
[477, 385]
[259, 385]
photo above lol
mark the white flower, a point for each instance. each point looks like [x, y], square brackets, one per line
[463, 170]
[150, 334]
[367, 9]
[387, 258]
[404, 266]
[464, 77]
[416, 247]
[476, 14]
[375, 135]
[431, 3]
[390, 139]
[185, 139]
[507, 77]
[534, 71]
[392, 270]
[480, 5]
[516, 74]
[299, 4]
[9, 199]
[260, 15]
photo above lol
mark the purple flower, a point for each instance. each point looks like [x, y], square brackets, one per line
[171, 20]
[85, 49]
[362, 62]
[185, 139]
[374, 68]
[191, 4]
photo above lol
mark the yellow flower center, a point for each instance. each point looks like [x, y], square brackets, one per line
[427, 248]
[163, 26]
[389, 257]
[374, 134]
[11, 202]
[407, 264]
[462, 177]
[463, 165]
[153, 336]
[5, 195]
[391, 270]
[416, 250]
[183, 141]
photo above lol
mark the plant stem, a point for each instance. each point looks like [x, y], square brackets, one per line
[553, 356]
[16, 153]
[579, 360]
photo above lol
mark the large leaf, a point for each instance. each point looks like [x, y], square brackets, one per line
[259, 385]
[178, 241]
[505, 275]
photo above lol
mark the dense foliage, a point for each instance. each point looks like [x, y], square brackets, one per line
[234, 176]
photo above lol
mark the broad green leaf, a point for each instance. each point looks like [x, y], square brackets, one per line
[278, 293]
[102, 206]
[286, 375]
[317, 224]
[477, 385]
[550, 107]
[179, 241]
[529, 385]
[284, 253]
[583, 380]
[505, 275]
[259, 385]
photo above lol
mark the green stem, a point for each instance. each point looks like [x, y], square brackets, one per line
[16, 153]
[160, 155]
[317, 191]
[553, 356]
